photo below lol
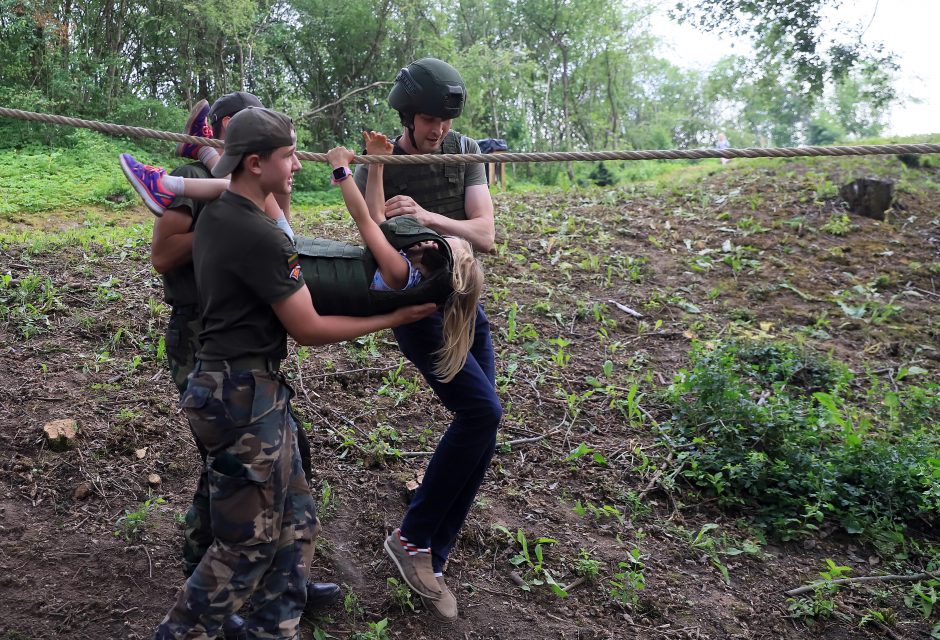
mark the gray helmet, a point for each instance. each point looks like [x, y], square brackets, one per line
[429, 86]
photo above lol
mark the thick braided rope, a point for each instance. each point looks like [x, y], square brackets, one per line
[456, 158]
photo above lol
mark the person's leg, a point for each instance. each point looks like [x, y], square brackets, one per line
[459, 463]
[197, 124]
[320, 595]
[158, 189]
[279, 600]
[182, 343]
[241, 419]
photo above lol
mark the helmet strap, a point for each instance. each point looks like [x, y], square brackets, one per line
[408, 121]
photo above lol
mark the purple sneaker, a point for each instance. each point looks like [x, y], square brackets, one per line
[196, 125]
[148, 183]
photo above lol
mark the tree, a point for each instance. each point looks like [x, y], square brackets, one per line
[789, 35]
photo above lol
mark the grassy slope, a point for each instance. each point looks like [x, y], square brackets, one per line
[95, 341]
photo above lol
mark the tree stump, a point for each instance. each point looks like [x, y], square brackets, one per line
[868, 197]
[60, 434]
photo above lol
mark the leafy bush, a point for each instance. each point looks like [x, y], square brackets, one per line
[778, 430]
[601, 176]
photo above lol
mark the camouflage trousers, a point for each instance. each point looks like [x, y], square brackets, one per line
[182, 344]
[262, 515]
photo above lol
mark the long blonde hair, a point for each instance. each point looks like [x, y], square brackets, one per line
[460, 311]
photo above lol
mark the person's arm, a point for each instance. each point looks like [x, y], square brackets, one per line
[172, 243]
[308, 327]
[392, 265]
[375, 193]
[479, 228]
[283, 202]
[376, 144]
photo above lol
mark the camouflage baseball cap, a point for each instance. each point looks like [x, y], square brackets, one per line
[253, 130]
[232, 103]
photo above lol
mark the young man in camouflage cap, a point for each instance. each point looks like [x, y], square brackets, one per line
[171, 255]
[251, 294]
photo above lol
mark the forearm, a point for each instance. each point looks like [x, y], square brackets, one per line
[355, 203]
[375, 193]
[330, 329]
[480, 232]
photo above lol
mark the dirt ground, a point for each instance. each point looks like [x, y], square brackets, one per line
[74, 564]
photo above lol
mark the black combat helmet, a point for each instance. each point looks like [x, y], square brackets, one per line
[429, 86]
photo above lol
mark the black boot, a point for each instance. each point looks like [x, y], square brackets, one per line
[234, 628]
[321, 595]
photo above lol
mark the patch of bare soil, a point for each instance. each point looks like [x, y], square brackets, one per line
[83, 554]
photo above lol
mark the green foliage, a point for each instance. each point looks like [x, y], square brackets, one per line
[531, 562]
[38, 178]
[777, 430]
[586, 566]
[400, 595]
[376, 631]
[397, 386]
[590, 67]
[28, 303]
[601, 176]
[838, 224]
[922, 597]
[351, 604]
[629, 580]
[821, 604]
[789, 35]
[133, 523]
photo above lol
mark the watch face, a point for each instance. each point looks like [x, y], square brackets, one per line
[339, 173]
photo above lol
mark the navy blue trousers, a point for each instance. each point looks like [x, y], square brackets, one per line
[456, 469]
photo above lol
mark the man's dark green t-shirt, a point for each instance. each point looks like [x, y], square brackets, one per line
[436, 187]
[179, 284]
[243, 264]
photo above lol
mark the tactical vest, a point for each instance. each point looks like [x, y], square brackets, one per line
[436, 187]
[339, 275]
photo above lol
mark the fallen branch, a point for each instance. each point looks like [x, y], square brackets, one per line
[574, 584]
[656, 476]
[626, 309]
[344, 97]
[887, 578]
[877, 623]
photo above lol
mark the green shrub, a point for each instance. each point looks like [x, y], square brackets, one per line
[777, 430]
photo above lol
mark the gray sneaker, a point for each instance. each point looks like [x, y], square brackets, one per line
[416, 569]
[444, 609]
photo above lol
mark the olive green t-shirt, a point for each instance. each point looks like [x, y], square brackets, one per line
[436, 187]
[179, 283]
[243, 264]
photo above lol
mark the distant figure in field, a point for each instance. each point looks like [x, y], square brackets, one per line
[723, 144]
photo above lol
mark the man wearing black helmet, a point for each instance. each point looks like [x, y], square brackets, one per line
[452, 199]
